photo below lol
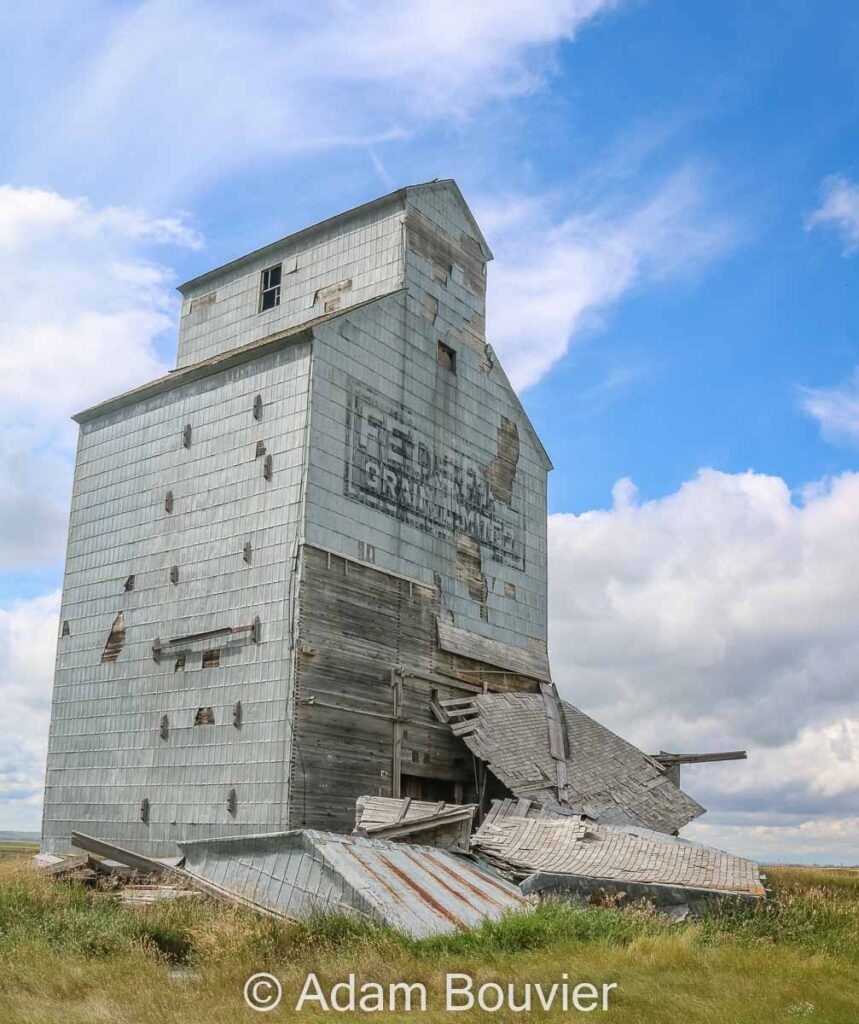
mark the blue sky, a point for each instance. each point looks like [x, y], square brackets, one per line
[671, 193]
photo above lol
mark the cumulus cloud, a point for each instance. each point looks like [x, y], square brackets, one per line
[721, 616]
[835, 409]
[554, 278]
[839, 209]
[197, 88]
[81, 303]
[28, 641]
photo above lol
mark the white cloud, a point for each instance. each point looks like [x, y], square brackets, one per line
[28, 641]
[839, 209]
[721, 616]
[196, 89]
[551, 281]
[81, 304]
[835, 409]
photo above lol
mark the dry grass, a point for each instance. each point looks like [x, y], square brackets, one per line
[72, 955]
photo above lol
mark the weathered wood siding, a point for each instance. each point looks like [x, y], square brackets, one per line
[363, 635]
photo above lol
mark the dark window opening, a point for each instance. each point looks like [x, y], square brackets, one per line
[186, 436]
[164, 727]
[129, 584]
[258, 407]
[204, 716]
[232, 802]
[144, 810]
[168, 502]
[237, 714]
[420, 788]
[270, 288]
[446, 357]
[260, 450]
[174, 573]
[247, 552]
[66, 630]
[267, 468]
[179, 664]
[211, 659]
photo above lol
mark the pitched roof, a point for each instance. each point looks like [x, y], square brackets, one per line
[603, 776]
[398, 195]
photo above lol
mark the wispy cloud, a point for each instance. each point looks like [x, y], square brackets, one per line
[839, 209]
[197, 89]
[836, 409]
[554, 278]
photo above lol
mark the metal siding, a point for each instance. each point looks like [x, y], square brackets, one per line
[367, 250]
[105, 751]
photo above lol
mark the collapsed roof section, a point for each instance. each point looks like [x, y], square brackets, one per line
[416, 889]
[523, 843]
[544, 749]
[435, 823]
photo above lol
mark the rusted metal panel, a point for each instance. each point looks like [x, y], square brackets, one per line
[416, 889]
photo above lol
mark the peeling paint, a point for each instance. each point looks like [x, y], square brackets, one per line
[469, 569]
[115, 640]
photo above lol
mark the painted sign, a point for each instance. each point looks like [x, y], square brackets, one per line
[394, 467]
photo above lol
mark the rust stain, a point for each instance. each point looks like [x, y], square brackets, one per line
[424, 895]
[375, 874]
[462, 881]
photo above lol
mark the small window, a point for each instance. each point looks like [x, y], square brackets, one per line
[247, 552]
[179, 664]
[258, 407]
[174, 573]
[168, 502]
[204, 716]
[129, 583]
[66, 630]
[446, 357]
[186, 436]
[260, 450]
[211, 659]
[269, 288]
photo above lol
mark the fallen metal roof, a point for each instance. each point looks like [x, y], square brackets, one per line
[602, 776]
[416, 889]
[437, 823]
[556, 844]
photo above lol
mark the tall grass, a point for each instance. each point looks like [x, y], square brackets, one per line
[74, 954]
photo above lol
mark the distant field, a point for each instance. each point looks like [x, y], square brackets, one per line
[73, 955]
[17, 848]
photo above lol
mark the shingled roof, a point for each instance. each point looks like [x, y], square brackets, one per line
[573, 845]
[598, 773]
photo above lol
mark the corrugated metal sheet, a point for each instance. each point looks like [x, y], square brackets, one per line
[415, 889]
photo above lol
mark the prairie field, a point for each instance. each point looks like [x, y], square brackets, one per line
[72, 954]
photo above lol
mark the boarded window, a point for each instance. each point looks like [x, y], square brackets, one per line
[204, 716]
[446, 357]
[270, 288]
[211, 659]
[115, 640]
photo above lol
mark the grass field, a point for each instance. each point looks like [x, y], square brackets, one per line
[72, 955]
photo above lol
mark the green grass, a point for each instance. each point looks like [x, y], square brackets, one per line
[74, 955]
[17, 848]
